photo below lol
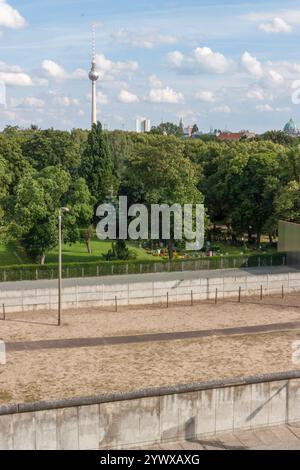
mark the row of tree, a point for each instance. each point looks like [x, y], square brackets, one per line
[248, 185]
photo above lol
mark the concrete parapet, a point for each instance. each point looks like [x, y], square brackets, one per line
[150, 417]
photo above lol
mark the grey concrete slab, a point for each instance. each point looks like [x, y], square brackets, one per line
[273, 438]
[6, 432]
[67, 429]
[295, 429]
[242, 407]
[46, 438]
[248, 439]
[284, 434]
[89, 427]
[231, 441]
[171, 446]
[266, 436]
[24, 431]
[191, 445]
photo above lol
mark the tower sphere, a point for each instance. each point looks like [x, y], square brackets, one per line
[94, 75]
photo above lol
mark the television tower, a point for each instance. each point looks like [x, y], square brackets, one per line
[94, 76]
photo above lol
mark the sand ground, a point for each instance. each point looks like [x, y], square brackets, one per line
[51, 374]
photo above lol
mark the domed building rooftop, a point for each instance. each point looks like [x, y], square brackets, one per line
[291, 129]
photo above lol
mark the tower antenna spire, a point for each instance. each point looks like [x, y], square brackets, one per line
[93, 41]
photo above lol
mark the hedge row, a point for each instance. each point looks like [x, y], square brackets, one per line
[73, 270]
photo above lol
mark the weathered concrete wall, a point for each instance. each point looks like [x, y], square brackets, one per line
[145, 293]
[289, 241]
[288, 237]
[152, 416]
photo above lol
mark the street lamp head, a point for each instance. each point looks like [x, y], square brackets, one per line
[65, 210]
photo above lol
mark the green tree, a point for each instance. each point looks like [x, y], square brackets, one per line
[168, 128]
[5, 180]
[120, 147]
[97, 166]
[39, 196]
[252, 186]
[277, 137]
[163, 176]
[195, 129]
[50, 147]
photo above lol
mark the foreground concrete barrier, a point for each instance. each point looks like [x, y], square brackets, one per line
[145, 293]
[149, 417]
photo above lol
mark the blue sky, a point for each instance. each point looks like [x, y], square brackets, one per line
[222, 64]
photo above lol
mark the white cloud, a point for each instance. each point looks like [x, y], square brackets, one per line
[108, 67]
[276, 77]
[59, 74]
[126, 96]
[66, 101]
[30, 101]
[54, 70]
[175, 58]
[252, 65]
[101, 98]
[206, 96]
[154, 82]
[287, 69]
[10, 17]
[264, 108]
[202, 58]
[12, 75]
[289, 16]
[34, 102]
[223, 109]
[143, 40]
[256, 94]
[79, 74]
[211, 61]
[285, 109]
[165, 95]
[277, 26]
[9, 68]
[15, 79]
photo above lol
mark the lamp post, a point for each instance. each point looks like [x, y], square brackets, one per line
[62, 210]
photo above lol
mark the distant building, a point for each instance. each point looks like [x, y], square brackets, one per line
[291, 129]
[235, 136]
[188, 131]
[142, 125]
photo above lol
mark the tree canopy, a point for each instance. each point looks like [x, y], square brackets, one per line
[247, 185]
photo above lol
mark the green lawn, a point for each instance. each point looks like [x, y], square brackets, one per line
[78, 252]
[11, 254]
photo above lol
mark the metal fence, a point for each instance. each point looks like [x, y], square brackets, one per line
[34, 272]
[261, 288]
